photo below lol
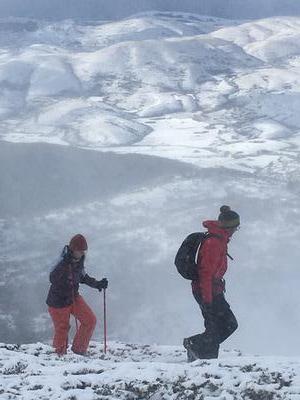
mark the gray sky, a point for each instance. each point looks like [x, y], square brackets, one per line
[121, 8]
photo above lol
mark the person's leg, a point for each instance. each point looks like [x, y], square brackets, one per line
[208, 343]
[61, 322]
[225, 318]
[87, 320]
[205, 345]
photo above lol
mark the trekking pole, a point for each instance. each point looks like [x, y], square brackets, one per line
[104, 320]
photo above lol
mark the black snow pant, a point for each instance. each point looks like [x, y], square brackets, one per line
[219, 322]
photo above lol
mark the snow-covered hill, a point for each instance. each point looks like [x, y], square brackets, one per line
[132, 372]
[208, 91]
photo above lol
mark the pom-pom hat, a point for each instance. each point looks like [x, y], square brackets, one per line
[228, 218]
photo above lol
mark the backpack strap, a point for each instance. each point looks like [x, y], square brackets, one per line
[209, 235]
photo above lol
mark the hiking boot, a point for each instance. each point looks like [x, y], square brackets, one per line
[200, 347]
[80, 353]
[191, 354]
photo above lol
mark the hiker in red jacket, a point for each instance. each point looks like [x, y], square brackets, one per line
[64, 299]
[209, 288]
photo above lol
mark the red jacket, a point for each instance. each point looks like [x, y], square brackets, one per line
[212, 263]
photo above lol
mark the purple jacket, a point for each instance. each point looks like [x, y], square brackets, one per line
[65, 279]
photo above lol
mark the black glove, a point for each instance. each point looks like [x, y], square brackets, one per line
[102, 284]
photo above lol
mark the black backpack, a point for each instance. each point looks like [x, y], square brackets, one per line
[185, 259]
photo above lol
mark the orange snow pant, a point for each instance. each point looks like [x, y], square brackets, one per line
[61, 321]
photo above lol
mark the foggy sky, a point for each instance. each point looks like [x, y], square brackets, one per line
[99, 9]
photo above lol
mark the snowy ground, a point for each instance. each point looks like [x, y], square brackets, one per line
[33, 372]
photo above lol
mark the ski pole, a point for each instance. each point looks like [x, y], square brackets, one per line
[104, 321]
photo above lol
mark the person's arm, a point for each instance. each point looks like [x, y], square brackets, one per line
[208, 261]
[92, 282]
[88, 280]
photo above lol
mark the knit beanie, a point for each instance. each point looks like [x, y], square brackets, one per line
[78, 243]
[228, 218]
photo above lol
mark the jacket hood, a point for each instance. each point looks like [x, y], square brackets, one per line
[214, 228]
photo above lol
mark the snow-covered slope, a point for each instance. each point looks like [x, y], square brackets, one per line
[143, 372]
[200, 89]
